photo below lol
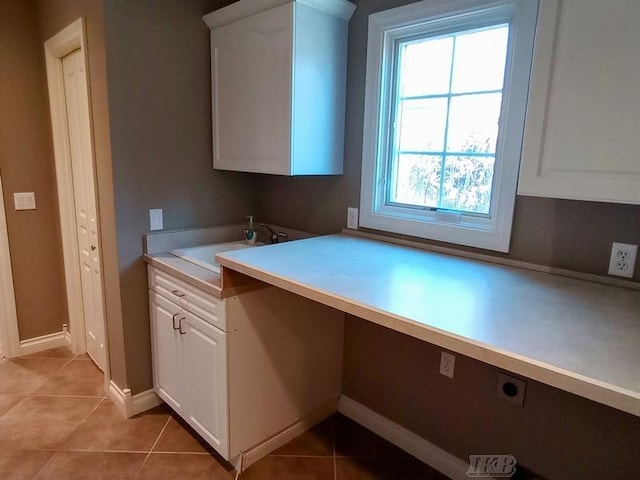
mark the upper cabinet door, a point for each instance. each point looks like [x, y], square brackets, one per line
[251, 85]
[584, 104]
[278, 85]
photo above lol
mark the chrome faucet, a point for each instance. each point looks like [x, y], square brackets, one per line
[275, 237]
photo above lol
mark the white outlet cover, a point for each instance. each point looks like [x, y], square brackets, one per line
[623, 259]
[352, 218]
[155, 219]
[447, 364]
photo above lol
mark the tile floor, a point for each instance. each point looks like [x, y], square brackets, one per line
[55, 423]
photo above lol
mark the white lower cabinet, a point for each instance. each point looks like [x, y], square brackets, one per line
[190, 364]
[205, 371]
[247, 372]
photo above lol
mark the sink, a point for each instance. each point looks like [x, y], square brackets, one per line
[205, 255]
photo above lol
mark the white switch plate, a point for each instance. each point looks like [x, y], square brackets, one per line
[352, 218]
[155, 219]
[24, 200]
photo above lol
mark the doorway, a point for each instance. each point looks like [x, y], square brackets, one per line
[68, 85]
[9, 339]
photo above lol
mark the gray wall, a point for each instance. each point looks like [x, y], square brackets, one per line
[27, 165]
[158, 65]
[558, 435]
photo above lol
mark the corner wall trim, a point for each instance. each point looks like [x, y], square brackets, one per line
[130, 405]
[425, 451]
[122, 398]
[141, 402]
[45, 342]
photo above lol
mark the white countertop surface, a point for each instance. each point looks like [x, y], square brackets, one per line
[579, 336]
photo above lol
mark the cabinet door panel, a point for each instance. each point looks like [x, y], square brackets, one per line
[166, 344]
[206, 371]
[581, 133]
[251, 76]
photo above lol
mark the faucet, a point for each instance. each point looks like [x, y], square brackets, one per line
[275, 237]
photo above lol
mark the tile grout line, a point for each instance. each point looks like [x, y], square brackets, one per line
[152, 447]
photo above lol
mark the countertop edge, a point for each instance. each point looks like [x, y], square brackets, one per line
[204, 285]
[572, 382]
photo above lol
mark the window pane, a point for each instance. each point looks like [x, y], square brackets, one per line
[473, 123]
[421, 125]
[467, 184]
[480, 60]
[417, 180]
[425, 67]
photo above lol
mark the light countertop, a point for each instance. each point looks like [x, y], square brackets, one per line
[579, 336]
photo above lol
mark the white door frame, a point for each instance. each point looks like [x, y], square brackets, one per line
[9, 338]
[57, 47]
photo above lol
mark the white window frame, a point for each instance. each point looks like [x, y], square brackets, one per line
[492, 232]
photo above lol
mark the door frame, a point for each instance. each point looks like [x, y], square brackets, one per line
[71, 38]
[9, 336]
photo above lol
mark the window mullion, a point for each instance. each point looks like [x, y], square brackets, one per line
[446, 126]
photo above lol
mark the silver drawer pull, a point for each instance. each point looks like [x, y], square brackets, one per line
[180, 327]
[178, 293]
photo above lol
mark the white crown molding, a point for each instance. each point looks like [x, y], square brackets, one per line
[244, 8]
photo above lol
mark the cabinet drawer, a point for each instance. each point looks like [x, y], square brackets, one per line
[204, 305]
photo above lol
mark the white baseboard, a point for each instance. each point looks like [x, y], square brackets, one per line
[250, 457]
[131, 405]
[121, 397]
[45, 342]
[422, 449]
[141, 402]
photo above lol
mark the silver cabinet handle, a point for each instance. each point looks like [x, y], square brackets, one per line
[180, 327]
[178, 293]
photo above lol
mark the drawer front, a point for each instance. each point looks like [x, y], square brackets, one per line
[204, 305]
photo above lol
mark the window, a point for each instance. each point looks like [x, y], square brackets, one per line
[446, 96]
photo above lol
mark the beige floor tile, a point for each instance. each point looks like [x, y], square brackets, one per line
[178, 438]
[91, 466]
[184, 466]
[77, 378]
[43, 422]
[22, 376]
[7, 402]
[57, 352]
[290, 468]
[21, 464]
[107, 429]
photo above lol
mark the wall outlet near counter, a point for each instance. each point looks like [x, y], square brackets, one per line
[352, 218]
[447, 364]
[623, 259]
[155, 219]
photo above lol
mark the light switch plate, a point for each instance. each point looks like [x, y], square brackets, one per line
[155, 219]
[24, 200]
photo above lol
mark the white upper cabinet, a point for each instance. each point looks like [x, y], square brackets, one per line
[583, 118]
[278, 73]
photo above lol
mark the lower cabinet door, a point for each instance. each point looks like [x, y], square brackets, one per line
[167, 350]
[205, 367]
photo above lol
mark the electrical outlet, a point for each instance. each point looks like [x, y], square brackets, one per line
[352, 218]
[155, 219]
[447, 364]
[511, 389]
[623, 259]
